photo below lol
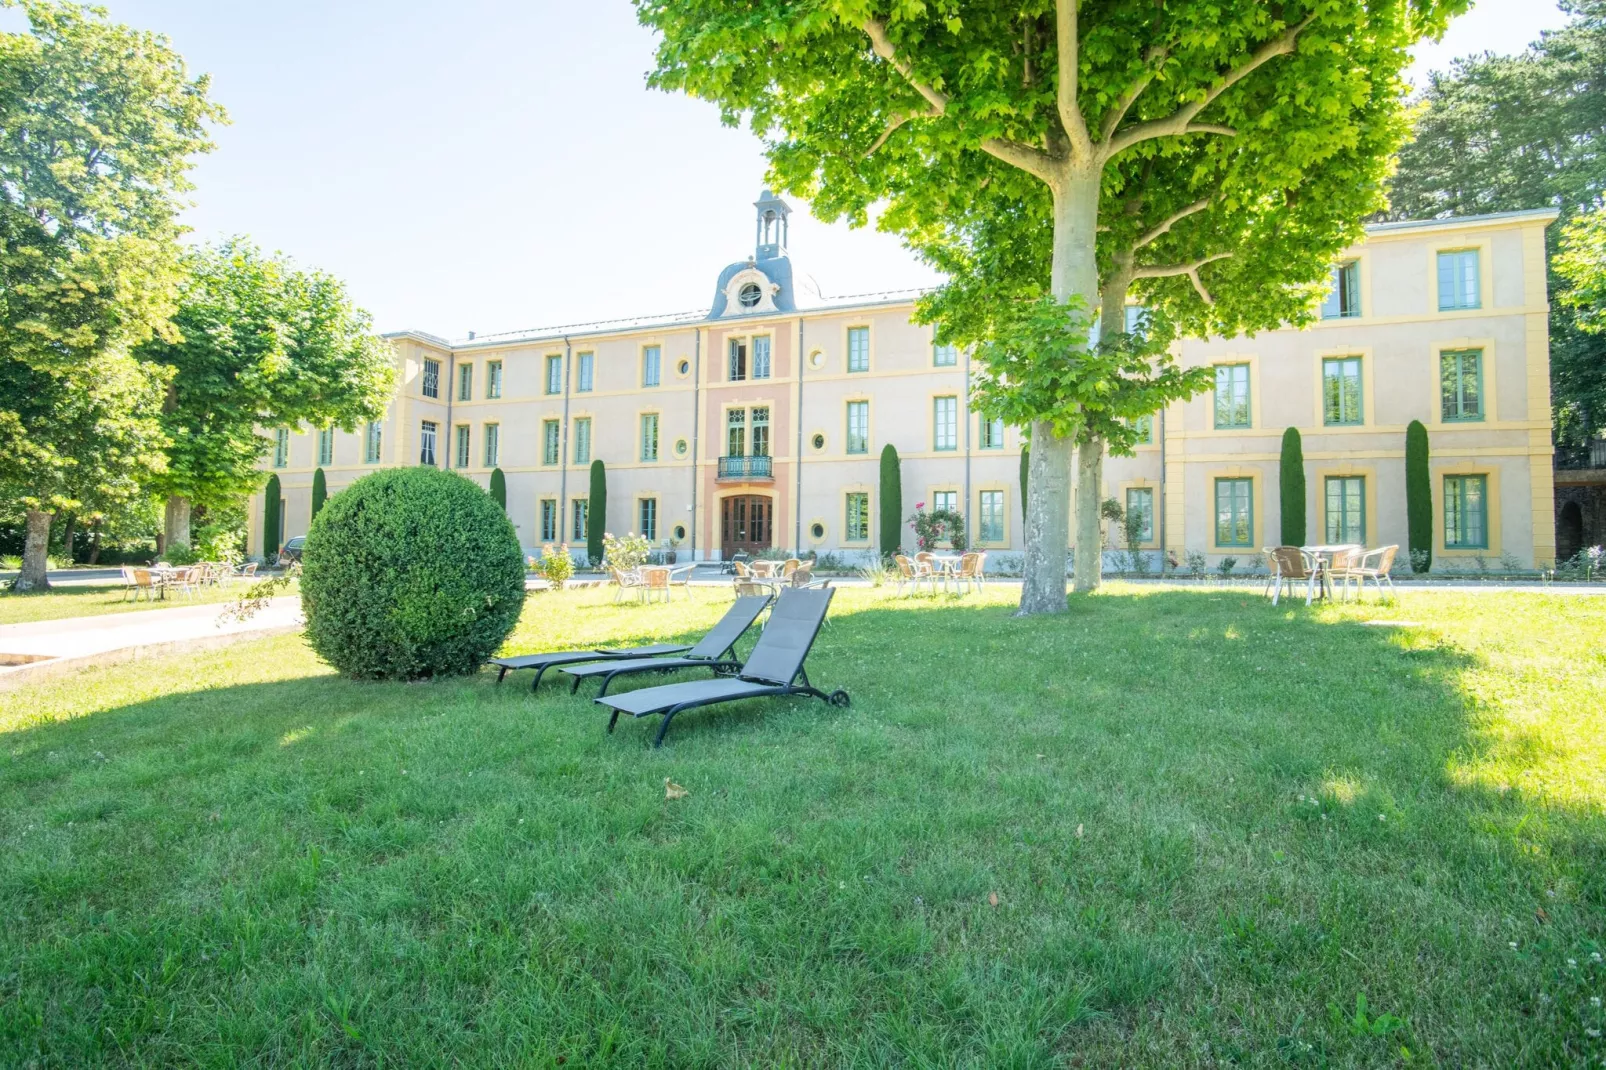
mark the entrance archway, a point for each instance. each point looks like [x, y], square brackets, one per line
[746, 523]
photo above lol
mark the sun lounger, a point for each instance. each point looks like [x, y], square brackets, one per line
[542, 662]
[773, 669]
[709, 653]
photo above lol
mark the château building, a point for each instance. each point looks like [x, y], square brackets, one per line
[759, 423]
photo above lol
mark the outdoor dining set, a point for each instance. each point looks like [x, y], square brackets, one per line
[1319, 568]
[769, 577]
[156, 581]
[964, 571]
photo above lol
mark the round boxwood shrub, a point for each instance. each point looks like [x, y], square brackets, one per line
[409, 573]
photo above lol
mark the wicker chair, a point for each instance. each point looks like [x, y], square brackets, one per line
[655, 583]
[789, 566]
[1374, 565]
[910, 575]
[1287, 566]
[150, 582]
[970, 571]
[628, 580]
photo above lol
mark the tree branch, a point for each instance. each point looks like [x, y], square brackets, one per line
[897, 121]
[1166, 224]
[1160, 271]
[1210, 128]
[1153, 59]
[1032, 160]
[1181, 120]
[1067, 47]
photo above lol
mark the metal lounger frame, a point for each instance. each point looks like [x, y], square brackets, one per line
[795, 606]
[570, 657]
[715, 659]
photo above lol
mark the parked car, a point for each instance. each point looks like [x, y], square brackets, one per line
[290, 552]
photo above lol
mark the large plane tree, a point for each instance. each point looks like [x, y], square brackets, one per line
[985, 128]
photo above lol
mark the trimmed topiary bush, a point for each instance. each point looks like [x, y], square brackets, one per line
[320, 492]
[498, 488]
[410, 573]
[1291, 488]
[1418, 498]
[270, 518]
[597, 512]
[891, 500]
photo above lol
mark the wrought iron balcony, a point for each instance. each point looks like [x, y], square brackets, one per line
[751, 469]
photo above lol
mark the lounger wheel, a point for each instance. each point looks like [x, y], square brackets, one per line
[840, 698]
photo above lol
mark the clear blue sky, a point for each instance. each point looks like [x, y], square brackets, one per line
[493, 165]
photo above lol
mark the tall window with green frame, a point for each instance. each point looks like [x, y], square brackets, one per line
[1344, 299]
[1459, 285]
[858, 349]
[1140, 503]
[554, 374]
[990, 516]
[856, 526]
[582, 440]
[465, 382]
[460, 457]
[281, 447]
[992, 433]
[550, 442]
[493, 445]
[1232, 396]
[326, 445]
[1466, 512]
[858, 427]
[1235, 512]
[1461, 384]
[1341, 391]
[493, 379]
[945, 423]
[371, 442]
[584, 372]
[1346, 509]
[649, 436]
[549, 519]
[944, 356]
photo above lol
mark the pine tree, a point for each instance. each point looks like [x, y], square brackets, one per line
[1291, 487]
[1418, 498]
[891, 500]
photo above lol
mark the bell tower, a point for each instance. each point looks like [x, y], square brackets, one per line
[770, 227]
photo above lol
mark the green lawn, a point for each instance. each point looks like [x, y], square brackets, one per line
[61, 602]
[1212, 829]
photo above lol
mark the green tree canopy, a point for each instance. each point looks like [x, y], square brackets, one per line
[1504, 133]
[1070, 148]
[98, 127]
[1581, 261]
[260, 343]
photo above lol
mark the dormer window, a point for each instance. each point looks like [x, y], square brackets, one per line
[750, 295]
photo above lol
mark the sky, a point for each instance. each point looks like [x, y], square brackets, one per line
[499, 165]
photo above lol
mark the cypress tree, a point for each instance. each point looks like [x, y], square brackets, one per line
[320, 491]
[1418, 498]
[1291, 487]
[498, 489]
[891, 500]
[270, 518]
[596, 511]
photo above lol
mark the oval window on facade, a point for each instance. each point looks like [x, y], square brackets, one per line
[680, 532]
[817, 531]
[680, 447]
[818, 441]
[750, 295]
[684, 367]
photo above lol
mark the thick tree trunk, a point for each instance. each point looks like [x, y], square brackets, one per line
[94, 544]
[36, 553]
[1090, 455]
[176, 522]
[1048, 478]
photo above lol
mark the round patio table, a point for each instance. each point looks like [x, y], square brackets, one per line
[1321, 560]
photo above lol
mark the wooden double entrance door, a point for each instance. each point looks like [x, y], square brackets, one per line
[746, 523]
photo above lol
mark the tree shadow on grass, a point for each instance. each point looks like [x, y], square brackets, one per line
[1204, 821]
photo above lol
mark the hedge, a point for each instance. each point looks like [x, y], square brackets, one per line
[320, 492]
[410, 573]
